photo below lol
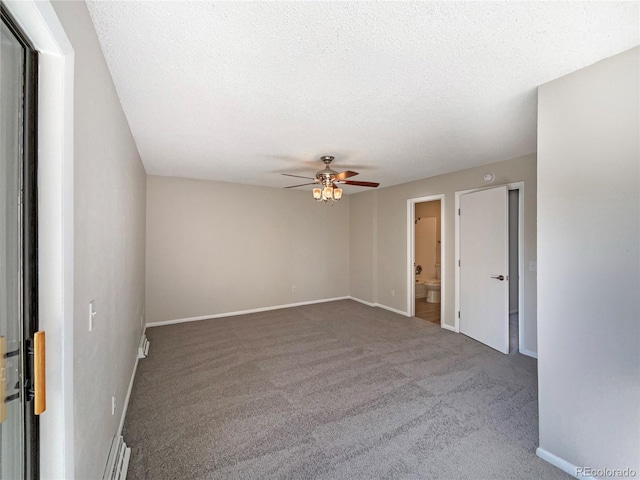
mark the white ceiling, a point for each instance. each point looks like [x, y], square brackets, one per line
[243, 91]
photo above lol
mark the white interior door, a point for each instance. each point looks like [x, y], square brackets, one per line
[484, 267]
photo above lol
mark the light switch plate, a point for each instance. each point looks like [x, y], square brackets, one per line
[92, 315]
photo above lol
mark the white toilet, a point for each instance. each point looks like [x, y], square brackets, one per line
[433, 287]
[433, 290]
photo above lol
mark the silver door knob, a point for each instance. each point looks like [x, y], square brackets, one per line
[499, 277]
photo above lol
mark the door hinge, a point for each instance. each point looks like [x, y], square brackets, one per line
[458, 313]
[458, 262]
[458, 211]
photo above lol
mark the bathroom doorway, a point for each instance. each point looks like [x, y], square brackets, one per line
[426, 248]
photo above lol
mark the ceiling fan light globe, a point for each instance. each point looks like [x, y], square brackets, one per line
[327, 192]
[317, 193]
[337, 194]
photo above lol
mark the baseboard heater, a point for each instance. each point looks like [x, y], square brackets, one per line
[143, 347]
[118, 461]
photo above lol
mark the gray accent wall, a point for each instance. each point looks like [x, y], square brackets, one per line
[379, 233]
[109, 236]
[215, 248]
[589, 264]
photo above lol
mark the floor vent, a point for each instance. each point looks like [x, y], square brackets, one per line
[118, 460]
[143, 347]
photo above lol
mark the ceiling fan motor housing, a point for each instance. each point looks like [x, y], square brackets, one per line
[325, 176]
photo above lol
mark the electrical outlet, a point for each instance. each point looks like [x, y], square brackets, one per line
[393, 293]
[113, 405]
[92, 315]
[293, 289]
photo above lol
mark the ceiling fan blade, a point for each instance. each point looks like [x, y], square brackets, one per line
[345, 174]
[297, 176]
[359, 184]
[302, 185]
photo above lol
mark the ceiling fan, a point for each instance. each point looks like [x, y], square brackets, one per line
[328, 180]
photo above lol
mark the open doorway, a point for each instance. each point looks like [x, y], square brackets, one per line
[514, 337]
[426, 252]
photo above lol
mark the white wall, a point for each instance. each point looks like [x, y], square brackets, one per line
[363, 251]
[215, 248]
[589, 265]
[109, 239]
[385, 230]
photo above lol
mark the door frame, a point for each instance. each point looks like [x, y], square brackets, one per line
[411, 227]
[521, 312]
[39, 22]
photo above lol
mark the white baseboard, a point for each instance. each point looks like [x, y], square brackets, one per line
[118, 460]
[528, 353]
[125, 464]
[449, 327]
[399, 312]
[125, 405]
[143, 347]
[380, 305]
[561, 463]
[364, 302]
[241, 312]
[391, 309]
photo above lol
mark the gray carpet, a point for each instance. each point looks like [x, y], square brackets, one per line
[514, 340]
[332, 391]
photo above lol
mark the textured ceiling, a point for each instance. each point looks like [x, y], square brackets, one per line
[240, 92]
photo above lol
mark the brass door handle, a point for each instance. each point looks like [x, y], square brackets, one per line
[39, 380]
[499, 277]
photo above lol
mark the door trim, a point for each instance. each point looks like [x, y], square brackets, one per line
[39, 22]
[411, 284]
[521, 310]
